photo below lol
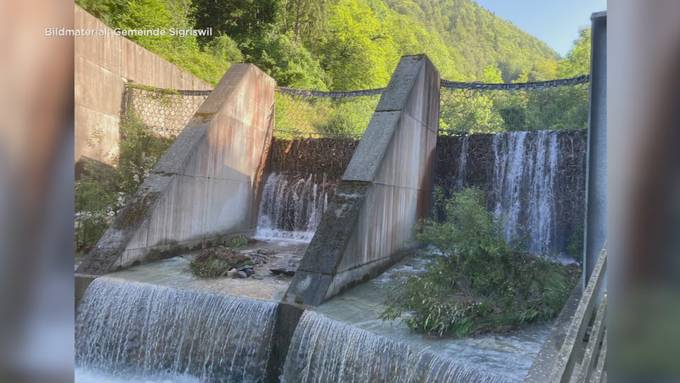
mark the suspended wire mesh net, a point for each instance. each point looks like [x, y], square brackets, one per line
[465, 108]
[164, 112]
[307, 114]
[492, 108]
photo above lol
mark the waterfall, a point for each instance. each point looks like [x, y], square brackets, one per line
[292, 205]
[131, 328]
[325, 350]
[523, 187]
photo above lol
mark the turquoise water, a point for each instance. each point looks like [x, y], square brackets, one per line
[507, 355]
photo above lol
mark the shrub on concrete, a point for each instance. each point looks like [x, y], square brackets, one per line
[216, 262]
[480, 284]
[237, 242]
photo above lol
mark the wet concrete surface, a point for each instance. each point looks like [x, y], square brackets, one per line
[176, 272]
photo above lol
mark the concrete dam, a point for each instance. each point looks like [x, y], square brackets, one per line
[336, 219]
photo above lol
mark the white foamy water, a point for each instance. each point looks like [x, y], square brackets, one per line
[326, 350]
[526, 165]
[291, 206]
[135, 331]
[84, 375]
[483, 358]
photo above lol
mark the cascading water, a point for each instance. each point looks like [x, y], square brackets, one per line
[291, 206]
[130, 329]
[531, 179]
[524, 193]
[325, 350]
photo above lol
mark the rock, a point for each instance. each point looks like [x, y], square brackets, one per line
[232, 273]
[241, 274]
[248, 269]
[285, 266]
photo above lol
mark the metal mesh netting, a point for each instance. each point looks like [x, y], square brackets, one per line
[301, 115]
[465, 108]
[492, 108]
[165, 112]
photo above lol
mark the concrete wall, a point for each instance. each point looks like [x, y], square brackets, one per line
[102, 66]
[206, 185]
[384, 191]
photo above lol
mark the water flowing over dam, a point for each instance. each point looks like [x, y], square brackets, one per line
[524, 187]
[534, 182]
[304, 239]
[325, 350]
[141, 330]
[292, 205]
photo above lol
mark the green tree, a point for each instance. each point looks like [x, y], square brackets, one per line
[242, 20]
[304, 18]
[164, 14]
[469, 112]
[577, 61]
[355, 52]
[566, 107]
[104, 10]
[288, 61]
[148, 14]
[224, 48]
[492, 74]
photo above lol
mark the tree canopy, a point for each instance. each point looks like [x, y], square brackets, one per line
[339, 44]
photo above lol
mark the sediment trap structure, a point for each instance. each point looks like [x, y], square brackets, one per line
[207, 187]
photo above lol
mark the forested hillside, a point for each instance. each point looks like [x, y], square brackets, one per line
[334, 44]
[477, 39]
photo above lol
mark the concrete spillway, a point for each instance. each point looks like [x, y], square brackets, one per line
[384, 191]
[325, 350]
[131, 329]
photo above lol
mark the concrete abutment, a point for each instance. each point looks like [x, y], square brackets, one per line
[205, 186]
[384, 191]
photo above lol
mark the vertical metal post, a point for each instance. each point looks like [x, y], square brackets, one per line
[595, 233]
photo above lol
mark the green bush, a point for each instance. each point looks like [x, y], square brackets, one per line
[237, 242]
[100, 193]
[216, 262]
[140, 149]
[481, 283]
[95, 204]
[207, 63]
